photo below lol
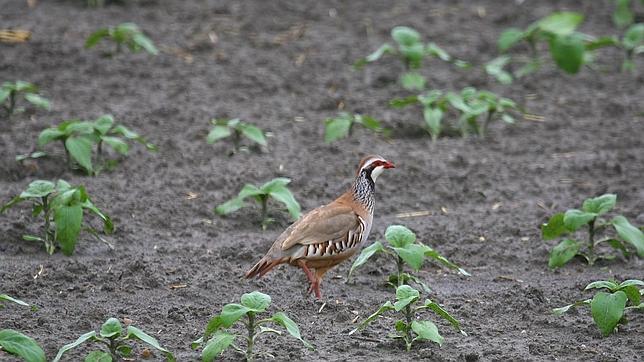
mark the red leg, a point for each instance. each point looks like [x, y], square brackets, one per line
[315, 284]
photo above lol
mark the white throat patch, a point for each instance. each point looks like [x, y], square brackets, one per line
[376, 172]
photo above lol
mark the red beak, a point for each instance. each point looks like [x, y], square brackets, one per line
[389, 165]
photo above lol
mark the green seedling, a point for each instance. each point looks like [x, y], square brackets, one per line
[18, 344]
[567, 46]
[275, 189]
[80, 137]
[470, 105]
[235, 128]
[404, 249]
[124, 35]
[632, 44]
[607, 308]
[218, 337]
[590, 218]
[409, 328]
[412, 51]
[113, 338]
[11, 91]
[63, 206]
[624, 15]
[341, 126]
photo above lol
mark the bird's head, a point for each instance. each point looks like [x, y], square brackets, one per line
[373, 166]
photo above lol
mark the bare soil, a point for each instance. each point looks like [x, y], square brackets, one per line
[286, 66]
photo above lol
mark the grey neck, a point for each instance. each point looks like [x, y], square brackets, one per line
[363, 190]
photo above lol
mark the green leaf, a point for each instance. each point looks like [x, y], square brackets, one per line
[413, 54]
[96, 36]
[135, 333]
[80, 148]
[426, 330]
[108, 226]
[382, 50]
[68, 221]
[412, 254]
[365, 254]
[554, 227]
[562, 253]
[561, 23]
[633, 294]
[231, 313]
[337, 128]
[629, 233]
[602, 42]
[436, 51]
[634, 37]
[256, 301]
[37, 100]
[104, 123]
[4, 94]
[607, 309]
[275, 184]
[111, 327]
[631, 282]
[412, 81]
[433, 118]
[38, 189]
[429, 304]
[564, 309]
[399, 236]
[509, 38]
[216, 346]
[284, 195]
[253, 133]
[574, 219]
[22, 86]
[116, 143]
[431, 253]
[48, 135]
[612, 286]
[404, 35]
[145, 43]
[403, 102]
[286, 322]
[18, 344]
[76, 343]
[369, 122]
[14, 300]
[568, 52]
[11, 202]
[495, 69]
[217, 133]
[98, 356]
[405, 295]
[384, 308]
[623, 16]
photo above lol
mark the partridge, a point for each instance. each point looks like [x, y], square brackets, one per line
[329, 234]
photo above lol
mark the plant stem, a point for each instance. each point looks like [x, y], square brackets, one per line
[591, 241]
[67, 158]
[483, 131]
[408, 317]
[112, 346]
[251, 336]
[400, 263]
[49, 245]
[12, 102]
[264, 207]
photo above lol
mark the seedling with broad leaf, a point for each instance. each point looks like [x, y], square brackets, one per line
[234, 127]
[624, 15]
[124, 35]
[632, 44]
[591, 217]
[18, 344]
[275, 189]
[558, 30]
[218, 335]
[79, 139]
[11, 91]
[411, 51]
[608, 308]
[114, 342]
[409, 328]
[341, 126]
[62, 208]
[403, 248]
[470, 105]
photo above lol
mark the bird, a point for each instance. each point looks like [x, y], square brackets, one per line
[329, 234]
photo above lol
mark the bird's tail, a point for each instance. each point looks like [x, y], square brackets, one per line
[263, 266]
